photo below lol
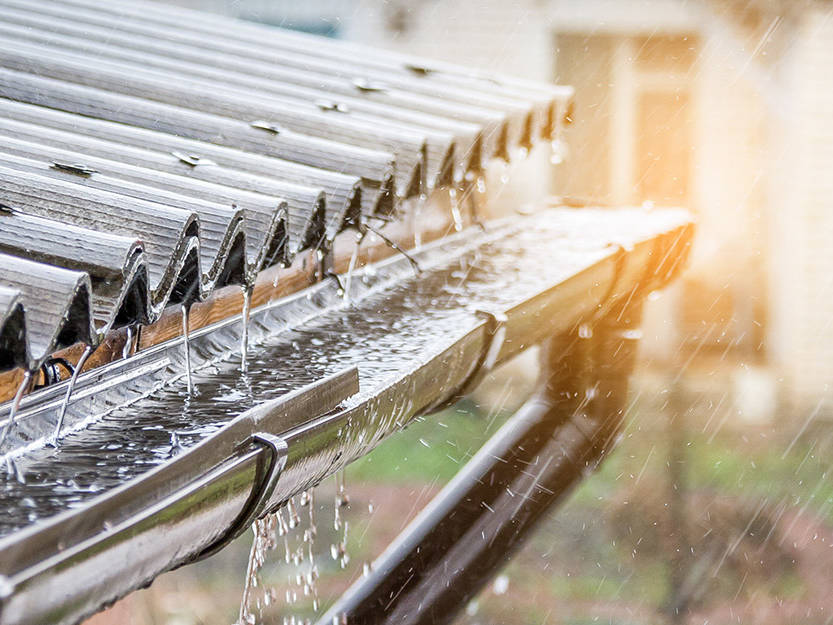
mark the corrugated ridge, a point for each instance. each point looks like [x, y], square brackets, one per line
[14, 349]
[114, 263]
[56, 303]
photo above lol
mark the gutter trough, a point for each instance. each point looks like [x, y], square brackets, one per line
[331, 372]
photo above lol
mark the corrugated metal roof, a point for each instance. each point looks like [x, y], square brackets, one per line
[150, 154]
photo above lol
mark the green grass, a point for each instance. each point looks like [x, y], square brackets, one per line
[430, 449]
[593, 566]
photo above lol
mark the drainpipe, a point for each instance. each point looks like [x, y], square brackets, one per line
[469, 531]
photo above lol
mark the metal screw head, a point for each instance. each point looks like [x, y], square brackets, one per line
[192, 159]
[368, 86]
[331, 105]
[264, 125]
[79, 169]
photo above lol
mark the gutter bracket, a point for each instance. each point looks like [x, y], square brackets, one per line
[606, 303]
[258, 503]
[496, 331]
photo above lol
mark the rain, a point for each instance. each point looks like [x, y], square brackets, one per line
[664, 460]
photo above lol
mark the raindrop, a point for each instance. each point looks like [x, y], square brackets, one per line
[481, 184]
[559, 152]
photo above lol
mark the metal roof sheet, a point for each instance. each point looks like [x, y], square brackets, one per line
[150, 155]
[313, 54]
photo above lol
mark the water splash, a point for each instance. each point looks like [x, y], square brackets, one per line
[70, 387]
[187, 347]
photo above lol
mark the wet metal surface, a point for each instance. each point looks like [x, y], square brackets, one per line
[415, 342]
[384, 334]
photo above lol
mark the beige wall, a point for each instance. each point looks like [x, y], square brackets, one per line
[801, 272]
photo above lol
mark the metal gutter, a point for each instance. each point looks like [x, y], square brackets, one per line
[54, 572]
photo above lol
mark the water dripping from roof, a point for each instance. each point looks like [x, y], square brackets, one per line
[128, 343]
[70, 387]
[455, 208]
[354, 257]
[394, 246]
[244, 336]
[415, 222]
[18, 396]
[187, 347]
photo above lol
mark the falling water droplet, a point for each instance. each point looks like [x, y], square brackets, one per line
[294, 518]
[481, 184]
[264, 539]
[342, 503]
[307, 499]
